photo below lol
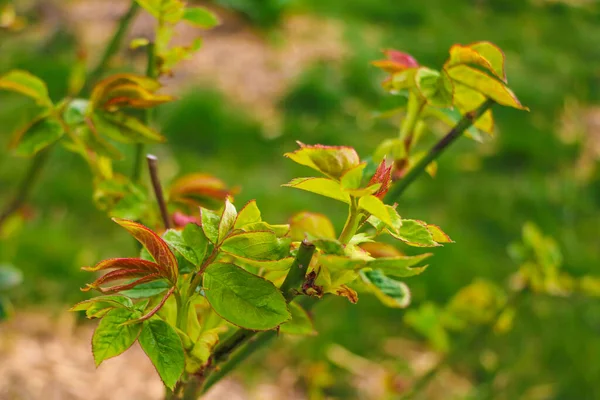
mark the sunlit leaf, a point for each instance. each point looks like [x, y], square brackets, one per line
[262, 265]
[396, 61]
[257, 245]
[27, 84]
[163, 347]
[244, 299]
[375, 206]
[485, 84]
[315, 224]
[400, 266]
[323, 186]
[170, 11]
[352, 179]
[415, 233]
[466, 100]
[124, 128]
[227, 220]
[210, 224]
[332, 161]
[249, 214]
[111, 337]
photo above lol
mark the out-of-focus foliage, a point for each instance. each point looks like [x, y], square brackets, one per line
[481, 196]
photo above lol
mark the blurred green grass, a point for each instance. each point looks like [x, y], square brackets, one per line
[526, 173]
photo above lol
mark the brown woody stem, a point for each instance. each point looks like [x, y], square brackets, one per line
[158, 192]
[465, 123]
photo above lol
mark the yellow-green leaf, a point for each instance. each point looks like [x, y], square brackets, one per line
[200, 17]
[300, 324]
[36, 136]
[332, 161]
[27, 84]
[323, 186]
[375, 206]
[314, 224]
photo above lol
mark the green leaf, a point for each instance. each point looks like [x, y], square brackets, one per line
[97, 144]
[434, 86]
[176, 241]
[227, 220]
[415, 233]
[146, 290]
[257, 245]
[125, 129]
[163, 347]
[466, 100]
[485, 84]
[249, 214]
[244, 299]
[300, 324]
[210, 224]
[332, 161]
[276, 265]
[27, 84]
[352, 179]
[482, 54]
[39, 134]
[315, 224]
[323, 186]
[111, 337]
[493, 55]
[278, 230]
[194, 237]
[375, 206]
[390, 292]
[98, 306]
[401, 266]
[200, 17]
[9, 277]
[327, 246]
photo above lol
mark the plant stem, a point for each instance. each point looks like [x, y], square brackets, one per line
[352, 222]
[466, 121]
[415, 106]
[32, 174]
[158, 192]
[458, 350]
[295, 278]
[138, 159]
[114, 45]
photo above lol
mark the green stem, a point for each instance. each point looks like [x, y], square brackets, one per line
[292, 284]
[138, 160]
[459, 350]
[415, 106]
[113, 46]
[466, 121]
[352, 222]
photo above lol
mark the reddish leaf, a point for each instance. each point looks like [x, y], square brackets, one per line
[202, 190]
[125, 263]
[396, 61]
[117, 275]
[118, 288]
[157, 247]
[180, 219]
[383, 175]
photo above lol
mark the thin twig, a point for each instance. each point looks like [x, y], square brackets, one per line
[465, 123]
[158, 192]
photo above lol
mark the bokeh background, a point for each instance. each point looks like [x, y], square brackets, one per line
[277, 71]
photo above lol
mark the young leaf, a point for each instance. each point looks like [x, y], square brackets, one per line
[227, 220]
[210, 224]
[323, 186]
[157, 247]
[244, 299]
[482, 54]
[170, 11]
[400, 267]
[263, 265]
[352, 179]
[27, 84]
[314, 224]
[332, 161]
[396, 61]
[202, 190]
[111, 337]
[249, 214]
[257, 245]
[177, 242]
[486, 85]
[415, 233]
[36, 136]
[391, 292]
[162, 345]
[146, 290]
[200, 17]
[104, 302]
[300, 324]
[435, 87]
[279, 230]
[374, 206]
[194, 237]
